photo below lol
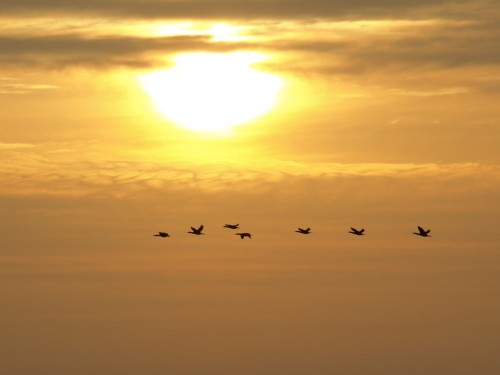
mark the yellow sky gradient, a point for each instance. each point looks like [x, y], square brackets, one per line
[387, 118]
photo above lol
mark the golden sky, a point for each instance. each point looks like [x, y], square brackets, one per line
[119, 119]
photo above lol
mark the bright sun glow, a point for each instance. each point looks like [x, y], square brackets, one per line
[213, 92]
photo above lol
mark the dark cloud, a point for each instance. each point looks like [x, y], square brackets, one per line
[228, 9]
[445, 46]
[413, 47]
[442, 45]
[464, 33]
[76, 50]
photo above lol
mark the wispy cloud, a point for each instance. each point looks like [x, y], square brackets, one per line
[36, 171]
[439, 92]
[14, 146]
[11, 86]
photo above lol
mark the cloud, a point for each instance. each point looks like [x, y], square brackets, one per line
[14, 146]
[389, 45]
[341, 48]
[77, 50]
[229, 9]
[425, 94]
[338, 37]
[36, 170]
[10, 86]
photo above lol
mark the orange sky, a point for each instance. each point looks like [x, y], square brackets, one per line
[386, 119]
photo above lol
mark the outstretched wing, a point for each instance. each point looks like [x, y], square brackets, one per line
[200, 228]
[421, 230]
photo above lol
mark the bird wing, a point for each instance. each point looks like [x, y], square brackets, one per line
[200, 228]
[353, 229]
[421, 230]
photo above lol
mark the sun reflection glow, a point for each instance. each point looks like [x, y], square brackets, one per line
[213, 92]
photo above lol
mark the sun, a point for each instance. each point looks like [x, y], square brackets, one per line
[213, 91]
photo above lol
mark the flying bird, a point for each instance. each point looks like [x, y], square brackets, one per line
[303, 231]
[422, 232]
[357, 232]
[231, 226]
[162, 234]
[196, 231]
[243, 235]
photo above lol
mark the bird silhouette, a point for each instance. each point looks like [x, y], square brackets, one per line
[303, 231]
[243, 235]
[196, 231]
[357, 232]
[231, 226]
[422, 232]
[162, 234]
